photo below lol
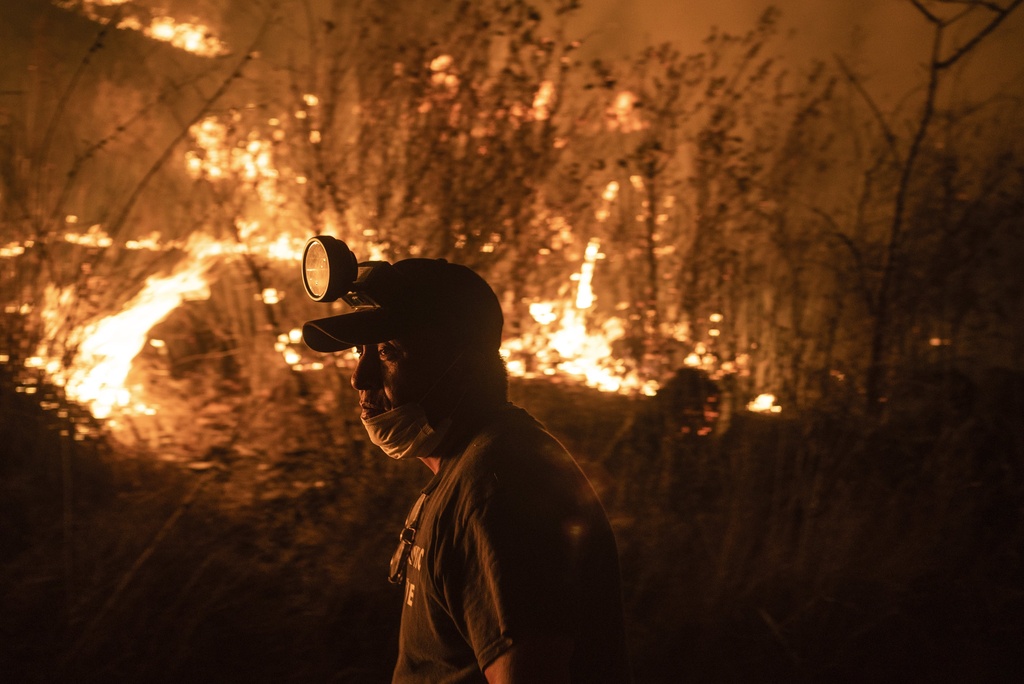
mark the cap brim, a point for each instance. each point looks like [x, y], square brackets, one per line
[344, 331]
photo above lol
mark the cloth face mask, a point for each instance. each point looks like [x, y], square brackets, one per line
[404, 432]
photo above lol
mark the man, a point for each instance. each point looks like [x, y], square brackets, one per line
[509, 565]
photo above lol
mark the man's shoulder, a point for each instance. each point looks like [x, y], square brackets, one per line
[513, 454]
[511, 437]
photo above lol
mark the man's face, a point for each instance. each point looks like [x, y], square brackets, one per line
[393, 373]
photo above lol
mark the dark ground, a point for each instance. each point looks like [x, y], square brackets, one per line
[810, 549]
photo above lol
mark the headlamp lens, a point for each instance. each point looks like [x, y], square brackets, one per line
[328, 268]
[318, 270]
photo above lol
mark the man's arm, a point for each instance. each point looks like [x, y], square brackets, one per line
[537, 660]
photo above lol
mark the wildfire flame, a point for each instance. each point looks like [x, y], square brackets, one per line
[570, 348]
[96, 376]
[191, 37]
[569, 339]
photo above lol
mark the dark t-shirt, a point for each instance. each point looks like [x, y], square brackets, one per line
[512, 542]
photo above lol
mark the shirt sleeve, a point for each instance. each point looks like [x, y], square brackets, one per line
[516, 572]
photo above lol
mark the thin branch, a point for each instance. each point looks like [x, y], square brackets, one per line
[51, 129]
[858, 260]
[926, 12]
[162, 159]
[890, 137]
[973, 4]
[119, 130]
[903, 188]
[969, 7]
[1001, 15]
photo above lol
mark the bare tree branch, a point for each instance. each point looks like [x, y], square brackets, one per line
[855, 253]
[118, 130]
[162, 159]
[999, 18]
[890, 137]
[51, 129]
[926, 12]
[973, 4]
[889, 286]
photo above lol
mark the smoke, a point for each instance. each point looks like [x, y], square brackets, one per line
[886, 40]
[623, 26]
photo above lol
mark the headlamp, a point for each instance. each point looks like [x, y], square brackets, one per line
[330, 272]
[328, 268]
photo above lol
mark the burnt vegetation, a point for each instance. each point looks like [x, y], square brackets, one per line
[766, 227]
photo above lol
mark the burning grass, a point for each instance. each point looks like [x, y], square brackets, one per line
[813, 547]
[217, 515]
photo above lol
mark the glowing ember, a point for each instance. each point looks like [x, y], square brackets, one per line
[543, 312]
[150, 242]
[611, 191]
[764, 403]
[13, 249]
[94, 237]
[624, 114]
[294, 352]
[443, 68]
[543, 100]
[585, 293]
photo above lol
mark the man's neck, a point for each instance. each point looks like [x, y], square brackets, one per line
[467, 419]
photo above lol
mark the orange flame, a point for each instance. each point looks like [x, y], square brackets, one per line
[96, 376]
[764, 403]
[570, 340]
[194, 38]
[570, 348]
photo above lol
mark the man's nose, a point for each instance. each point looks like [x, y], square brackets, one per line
[366, 375]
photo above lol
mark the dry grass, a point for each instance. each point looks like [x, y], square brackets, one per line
[816, 548]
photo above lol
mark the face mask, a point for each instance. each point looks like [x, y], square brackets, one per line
[404, 432]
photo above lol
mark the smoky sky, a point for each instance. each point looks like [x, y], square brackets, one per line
[887, 40]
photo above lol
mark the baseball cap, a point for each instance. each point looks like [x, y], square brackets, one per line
[411, 295]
